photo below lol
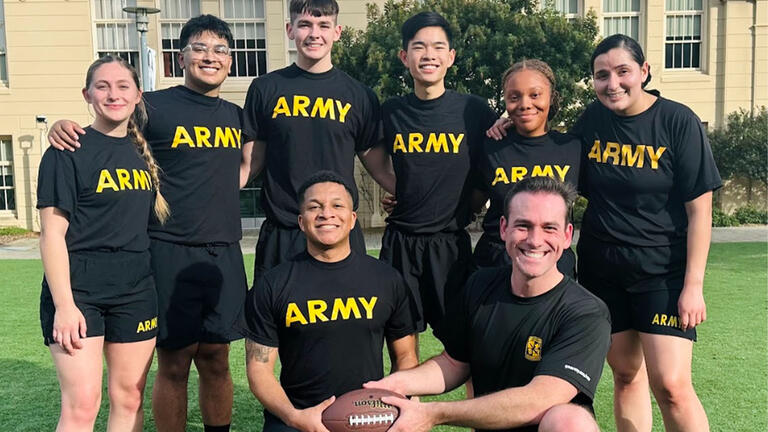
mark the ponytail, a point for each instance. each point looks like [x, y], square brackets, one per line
[137, 121]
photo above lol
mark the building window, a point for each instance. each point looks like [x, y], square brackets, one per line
[247, 20]
[116, 30]
[173, 15]
[3, 64]
[621, 16]
[290, 53]
[569, 8]
[682, 46]
[7, 195]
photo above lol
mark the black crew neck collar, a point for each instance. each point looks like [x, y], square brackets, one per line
[315, 76]
[196, 97]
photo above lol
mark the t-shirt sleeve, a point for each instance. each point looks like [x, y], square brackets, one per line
[57, 181]
[455, 332]
[371, 131]
[406, 317]
[695, 170]
[259, 317]
[577, 352]
[253, 113]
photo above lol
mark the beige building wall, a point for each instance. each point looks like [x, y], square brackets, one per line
[51, 42]
[734, 64]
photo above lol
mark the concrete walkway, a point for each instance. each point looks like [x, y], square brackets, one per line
[28, 248]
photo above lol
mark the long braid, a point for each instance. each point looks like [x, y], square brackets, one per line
[162, 211]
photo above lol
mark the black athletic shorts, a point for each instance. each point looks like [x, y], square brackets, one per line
[201, 292]
[115, 292]
[272, 423]
[278, 244]
[435, 265]
[640, 285]
[491, 252]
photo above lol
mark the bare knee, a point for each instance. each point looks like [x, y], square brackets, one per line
[212, 360]
[672, 389]
[126, 398]
[81, 407]
[174, 365]
[568, 417]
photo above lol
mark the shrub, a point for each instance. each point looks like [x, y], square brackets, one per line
[722, 219]
[751, 215]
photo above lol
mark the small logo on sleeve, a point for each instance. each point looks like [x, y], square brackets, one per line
[578, 371]
[533, 348]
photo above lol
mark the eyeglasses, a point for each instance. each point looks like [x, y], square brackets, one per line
[200, 49]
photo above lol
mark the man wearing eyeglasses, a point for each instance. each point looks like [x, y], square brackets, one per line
[205, 158]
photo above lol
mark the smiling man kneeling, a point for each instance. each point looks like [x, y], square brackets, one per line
[532, 340]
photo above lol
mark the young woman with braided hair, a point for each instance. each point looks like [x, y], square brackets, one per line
[98, 292]
[529, 149]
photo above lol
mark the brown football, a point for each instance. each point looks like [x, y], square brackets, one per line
[361, 411]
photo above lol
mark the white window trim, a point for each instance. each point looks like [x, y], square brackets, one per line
[96, 21]
[702, 39]
[288, 50]
[4, 52]
[640, 21]
[9, 163]
[569, 16]
[262, 21]
[169, 80]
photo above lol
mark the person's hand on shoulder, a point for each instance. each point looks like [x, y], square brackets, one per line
[499, 129]
[64, 135]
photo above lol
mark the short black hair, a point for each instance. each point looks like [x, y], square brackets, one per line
[543, 185]
[205, 23]
[412, 25]
[324, 176]
[316, 8]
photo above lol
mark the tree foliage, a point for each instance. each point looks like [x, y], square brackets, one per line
[741, 147]
[488, 36]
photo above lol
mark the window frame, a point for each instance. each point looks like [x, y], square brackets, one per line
[569, 15]
[626, 14]
[176, 24]
[134, 57]
[257, 21]
[701, 13]
[10, 166]
[3, 49]
[288, 50]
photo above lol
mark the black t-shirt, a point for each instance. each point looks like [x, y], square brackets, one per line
[432, 143]
[641, 170]
[197, 142]
[310, 122]
[329, 321]
[501, 164]
[104, 187]
[508, 340]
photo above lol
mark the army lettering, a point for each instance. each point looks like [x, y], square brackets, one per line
[305, 107]
[518, 173]
[126, 180]
[147, 325]
[317, 310]
[415, 142]
[224, 137]
[632, 155]
[667, 320]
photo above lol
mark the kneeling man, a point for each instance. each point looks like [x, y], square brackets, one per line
[532, 340]
[326, 313]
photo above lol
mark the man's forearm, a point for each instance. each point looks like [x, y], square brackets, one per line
[262, 381]
[508, 408]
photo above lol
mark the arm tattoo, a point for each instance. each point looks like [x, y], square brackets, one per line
[257, 352]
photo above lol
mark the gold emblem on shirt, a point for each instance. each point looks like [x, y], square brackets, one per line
[533, 349]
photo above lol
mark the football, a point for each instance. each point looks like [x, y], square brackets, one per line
[361, 411]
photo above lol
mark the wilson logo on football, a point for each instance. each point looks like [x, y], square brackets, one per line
[533, 348]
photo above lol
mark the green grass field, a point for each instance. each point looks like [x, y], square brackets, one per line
[730, 365]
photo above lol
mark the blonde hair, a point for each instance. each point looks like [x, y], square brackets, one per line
[542, 68]
[135, 124]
